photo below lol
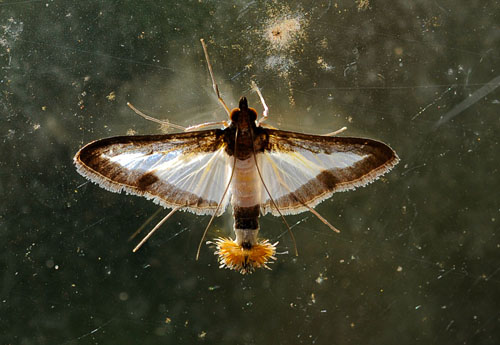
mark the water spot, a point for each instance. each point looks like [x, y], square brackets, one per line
[282, 32]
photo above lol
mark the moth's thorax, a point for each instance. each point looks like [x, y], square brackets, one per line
[243, 137]
[243, 123]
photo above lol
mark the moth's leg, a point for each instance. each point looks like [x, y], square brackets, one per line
[265, 125]
[265, 114]
[214, 84]
[206, 124]
[313, 211]
[146, 223]
[165, 123]
[338, 131]
[157, 226]
[320, 217]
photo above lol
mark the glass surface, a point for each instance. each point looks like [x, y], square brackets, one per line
[417, 259]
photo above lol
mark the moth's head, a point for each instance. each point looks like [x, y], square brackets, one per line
[243, 257]
[243, 114]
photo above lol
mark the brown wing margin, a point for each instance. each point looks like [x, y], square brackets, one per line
[376, 158]
[92, 161]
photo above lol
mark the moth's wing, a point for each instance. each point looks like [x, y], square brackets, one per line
[306, 169]
[190, 169]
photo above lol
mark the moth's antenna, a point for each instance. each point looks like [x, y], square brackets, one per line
[160, 223]
[270, 197]
[266, 108]
[223, 196]
[147, 117]
[214, 84]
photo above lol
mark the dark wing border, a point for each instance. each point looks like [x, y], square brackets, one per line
[111, 176]
[381, 159]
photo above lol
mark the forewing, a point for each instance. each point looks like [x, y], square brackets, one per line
[301, 169]
[190, 169]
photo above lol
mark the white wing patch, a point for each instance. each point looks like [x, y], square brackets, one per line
[294, 169]
[301, 171]
[203, 174]
[286, 172]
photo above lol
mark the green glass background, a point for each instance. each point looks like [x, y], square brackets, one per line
[418, 257]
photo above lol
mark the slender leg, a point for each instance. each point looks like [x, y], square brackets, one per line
[265, 114]
[265, 125]
[160, 223]
[147, 117]
[138, 231]
[196, 127]
[206, 124]
[168, 124]
[338, 131]
[313, 211]
[319, 216]
[214, 84]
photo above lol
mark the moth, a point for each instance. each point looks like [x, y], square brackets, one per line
[244, 162]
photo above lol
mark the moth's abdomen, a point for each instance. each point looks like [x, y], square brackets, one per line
[246, 185]
[246, 252]
[246, 217]
[246, 195]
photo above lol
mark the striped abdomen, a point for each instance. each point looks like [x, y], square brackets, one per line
[246, 195]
